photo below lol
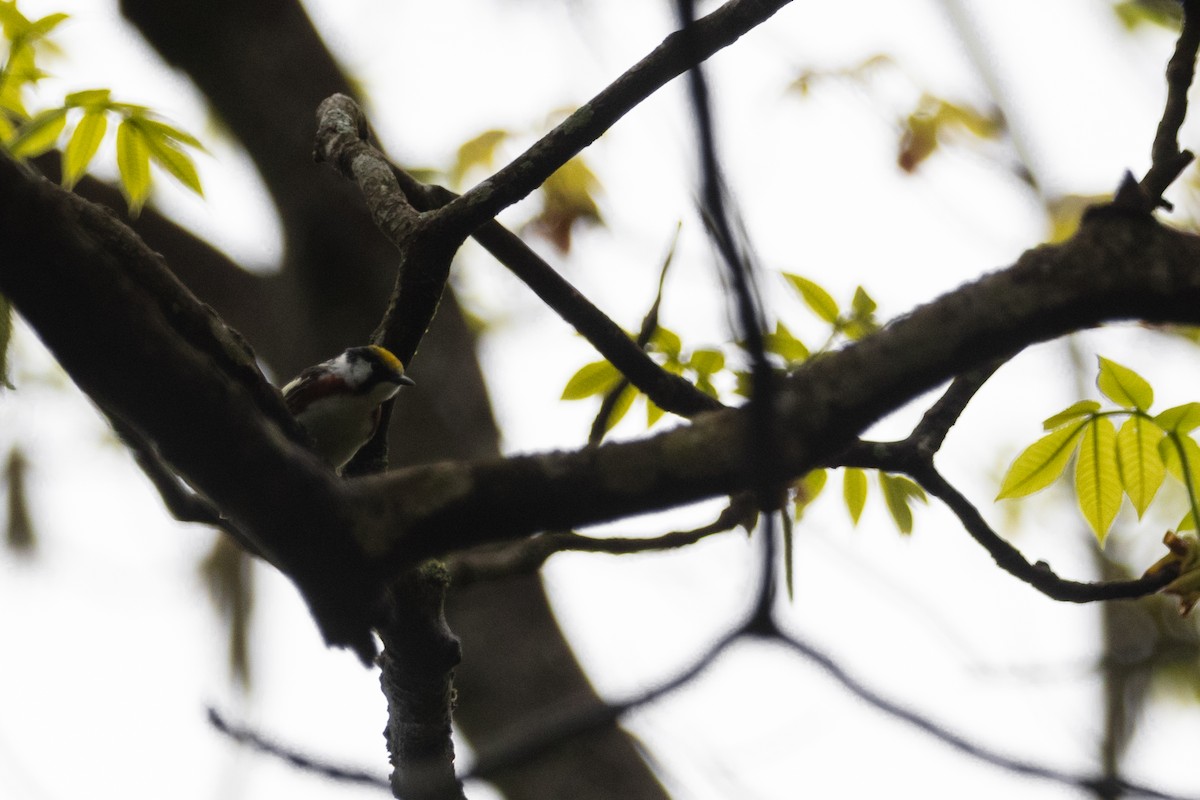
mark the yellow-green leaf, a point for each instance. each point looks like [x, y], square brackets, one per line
[620, 407]
[477, 152]
[133, 161]
[707, 362]
[174, 161]
[1097, 480]
[782, 343]
[591, 379]
[1138, 462]
[1072, 412]
[666, 341]
[1041, 463]
[82, 146]
[808, 488]
[653, 412]
[156, 127]
[819, 300]
[1179, 419]
[88, 98]
[1181, 456]
[854, 491]
[1124, 386]
[38, 134]
[898, 493]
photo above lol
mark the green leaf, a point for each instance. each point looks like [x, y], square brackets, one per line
[38, 134]
[1181, 456]
[807, 489]
[621, 407]
[707, 362]
[88, 98]
[1138, 462]
[854, 491]
[862, 305]
[82, 146]
[1041, 463]
[595, 378]
[1179, 419]
[819, 300]
[898, 493]
[479, 151]
[782, 343]
[862, 316]
[156, 127]
[40, 27]
[133, 162]
[1074, 411]
[653, 412]
[1124, 386]
[174, 161]
[1097, 478]
[666, 342]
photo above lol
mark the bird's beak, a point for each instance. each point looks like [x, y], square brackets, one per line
[404, 380]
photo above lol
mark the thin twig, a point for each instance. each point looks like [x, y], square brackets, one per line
[1038, 575]
[763, 453]
[257, 741]
[528, 555]
[677, 53]
[881, 703]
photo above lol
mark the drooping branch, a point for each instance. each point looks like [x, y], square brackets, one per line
[1038, 575]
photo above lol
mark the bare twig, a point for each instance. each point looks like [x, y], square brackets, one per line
[891, 708]
[528, 555]
[1167, 160]
[256, 741]
[1038, 575]
[669, 392]
[677, 53]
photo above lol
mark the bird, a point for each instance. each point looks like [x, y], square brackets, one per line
[338, 401]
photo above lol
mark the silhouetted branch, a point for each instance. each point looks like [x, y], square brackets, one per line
[891, 708]
[1038, 575]
[1168, 161]
[256, 741]
[528, 555]
[678, 52]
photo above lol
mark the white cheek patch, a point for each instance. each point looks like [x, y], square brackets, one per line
[357, 371]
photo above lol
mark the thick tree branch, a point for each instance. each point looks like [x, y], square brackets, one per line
[70, 276]
[150, 355]
[1117, 267]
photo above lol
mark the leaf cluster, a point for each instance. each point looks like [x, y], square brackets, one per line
[1113, 463]
[82, 120]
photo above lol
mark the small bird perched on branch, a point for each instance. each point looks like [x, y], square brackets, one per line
[337, 402]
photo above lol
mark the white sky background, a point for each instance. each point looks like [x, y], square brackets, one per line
[110, 651]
